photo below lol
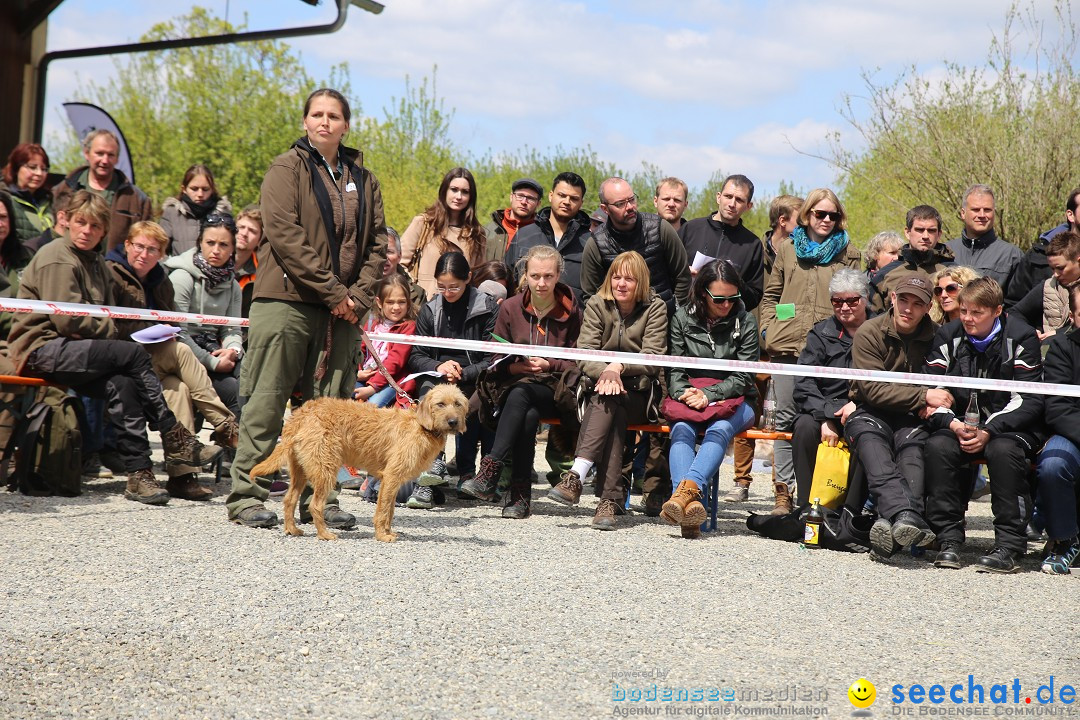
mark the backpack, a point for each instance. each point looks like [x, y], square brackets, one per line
[842, 530]
[46, 445]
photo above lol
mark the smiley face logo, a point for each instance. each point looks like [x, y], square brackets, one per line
[862, 693]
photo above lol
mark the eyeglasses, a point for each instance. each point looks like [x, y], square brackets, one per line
[522, 197]
[842, 301]
[632, 200]
[951, 288]
[721, 299]
[450, 289]
[822, 214]
[224, 220]
[144, 249]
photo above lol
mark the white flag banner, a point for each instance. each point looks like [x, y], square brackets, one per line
[85, 118]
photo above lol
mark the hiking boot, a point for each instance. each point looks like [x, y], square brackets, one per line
[142, 487]
[227, 434]
[483, 485]
[604, 518]
[882, 543]
[435, 475]
[1063, 555]
[187, 487]
[256, 516]
[909, 529]
[568, 491]
[92, 467]
[691, 532]
[999, 560]
[518, 504]
[948, 556]
[741, 492]
[335, 518]
[783, 499]
[654, 503]
[684, 507]
[421, 498]
[183, 448]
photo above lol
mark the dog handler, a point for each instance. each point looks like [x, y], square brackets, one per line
[324, 253]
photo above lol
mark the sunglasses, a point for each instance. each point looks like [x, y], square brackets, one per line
[822, 214]
[951, 288]
[842, 301]
[220, 220]
[721, 299]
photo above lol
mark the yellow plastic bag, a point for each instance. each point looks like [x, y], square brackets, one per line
[830, 483]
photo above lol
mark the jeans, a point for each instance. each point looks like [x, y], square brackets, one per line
[515, 438]
[700, 467]
[1056, 495]
[383, 398]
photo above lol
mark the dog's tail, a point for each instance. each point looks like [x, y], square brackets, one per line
[272, 463]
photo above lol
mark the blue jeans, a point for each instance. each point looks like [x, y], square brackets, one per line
[700, 467]
[1056, 499]
[383, 398]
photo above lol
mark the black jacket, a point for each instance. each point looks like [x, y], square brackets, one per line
[479, 324]
[1033, 267]
[910, 261]
[737, 244]
[1013, 355]
[1062, 366]
[571, 246]
[828, 344]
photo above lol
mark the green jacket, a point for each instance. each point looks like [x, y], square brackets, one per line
[733, 338]
[191, 295]
[33, 212]
[645, 330]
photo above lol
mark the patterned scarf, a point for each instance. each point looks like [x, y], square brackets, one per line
[818, 253]
[214, 276]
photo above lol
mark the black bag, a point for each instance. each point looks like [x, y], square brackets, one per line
[842, 530]
[46, 446]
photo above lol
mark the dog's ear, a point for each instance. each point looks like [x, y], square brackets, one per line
[423, 413]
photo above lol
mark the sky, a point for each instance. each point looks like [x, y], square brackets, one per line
[691, 86]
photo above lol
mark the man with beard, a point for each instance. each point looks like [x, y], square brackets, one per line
[563, 225]
[923, 253]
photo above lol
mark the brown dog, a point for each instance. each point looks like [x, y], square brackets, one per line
[393, 445]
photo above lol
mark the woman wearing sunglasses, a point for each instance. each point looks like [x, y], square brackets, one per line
[204, 281]
[796, 298]
[716, 325]
[947, 286]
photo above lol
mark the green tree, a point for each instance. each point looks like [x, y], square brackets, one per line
[1011, 126]
[233, 107]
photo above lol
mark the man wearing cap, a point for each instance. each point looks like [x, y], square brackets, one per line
[525, 196]
[886, 431]
[670, 200]
[563, 225]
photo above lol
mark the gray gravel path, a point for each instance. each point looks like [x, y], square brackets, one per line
[115, 610]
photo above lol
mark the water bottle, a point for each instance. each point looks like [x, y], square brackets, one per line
[812, 529]
[768, 409]
[971, 415]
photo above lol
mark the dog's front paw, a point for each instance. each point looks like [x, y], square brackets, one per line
[328, 536]
[386, 537]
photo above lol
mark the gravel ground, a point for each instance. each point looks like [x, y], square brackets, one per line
[116, 610]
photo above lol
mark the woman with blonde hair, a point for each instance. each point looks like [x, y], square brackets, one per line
[448, 224]
[947, 286]
[625, 315]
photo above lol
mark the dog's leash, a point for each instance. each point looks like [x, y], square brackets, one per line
[382, 368]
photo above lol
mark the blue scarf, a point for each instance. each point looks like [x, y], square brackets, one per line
[818, 253]
[981, 345]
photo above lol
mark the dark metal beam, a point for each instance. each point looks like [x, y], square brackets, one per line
[47, 58]
[35, 13]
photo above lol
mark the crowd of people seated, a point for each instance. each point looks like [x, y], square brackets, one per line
[311, 266]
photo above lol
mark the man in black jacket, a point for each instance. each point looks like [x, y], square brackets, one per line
[562, 224]
[1002, 427]
[923, 253]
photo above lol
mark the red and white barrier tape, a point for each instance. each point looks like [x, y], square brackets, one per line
[121, 313]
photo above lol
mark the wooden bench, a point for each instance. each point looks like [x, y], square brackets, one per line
[710, 495]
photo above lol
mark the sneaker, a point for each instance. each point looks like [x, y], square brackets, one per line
[92, 467]
[484, 484]
[1063, 555]
[910, 530]
[188, 487]
[568, 491]
[948, 556]
[227, 434]
[256, 516]
[999, 560]
[518, 504]
[142, 487]
[604, 519]
[351, 478]
[435, 475]
[421, 498]
[183, 448]
[278, 488]
[882, 543]
[739, 493]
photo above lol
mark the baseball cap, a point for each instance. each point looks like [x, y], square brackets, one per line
[527, 183]
[916, 285]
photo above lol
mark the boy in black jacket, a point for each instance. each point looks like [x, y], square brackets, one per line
[984, 343]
